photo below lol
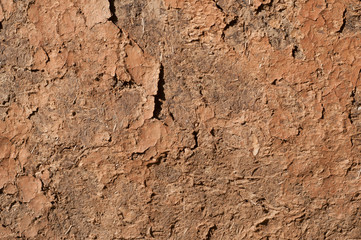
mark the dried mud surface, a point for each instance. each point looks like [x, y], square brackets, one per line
[180, 119]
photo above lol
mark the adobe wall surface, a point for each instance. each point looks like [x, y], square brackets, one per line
[180, 119]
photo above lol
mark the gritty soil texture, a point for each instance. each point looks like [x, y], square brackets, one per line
[180, 119]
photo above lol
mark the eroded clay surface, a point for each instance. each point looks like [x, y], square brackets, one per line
[180, 119]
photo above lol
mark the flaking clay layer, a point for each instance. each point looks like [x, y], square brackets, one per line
[180, 119]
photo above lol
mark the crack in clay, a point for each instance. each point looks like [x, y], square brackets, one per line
[160, 97]
[130, 145]
[195, 136]
[113, 18]
[342, 27]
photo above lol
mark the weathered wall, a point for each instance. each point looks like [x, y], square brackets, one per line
[180, 119]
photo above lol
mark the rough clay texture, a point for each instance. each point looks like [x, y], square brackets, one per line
[180, 119]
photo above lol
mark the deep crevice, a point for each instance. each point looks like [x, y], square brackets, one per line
[217, 6]
[323, 113]
[211, 231]
[232, 23]
[296, 53]
[160, 97]
[112, 9]
[343, 22]
[195, 135]
[33, 113]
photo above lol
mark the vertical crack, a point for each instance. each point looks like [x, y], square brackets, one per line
[160, 97]
[195, 135]
[112, 9]
[343, 22]
[217, 6]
